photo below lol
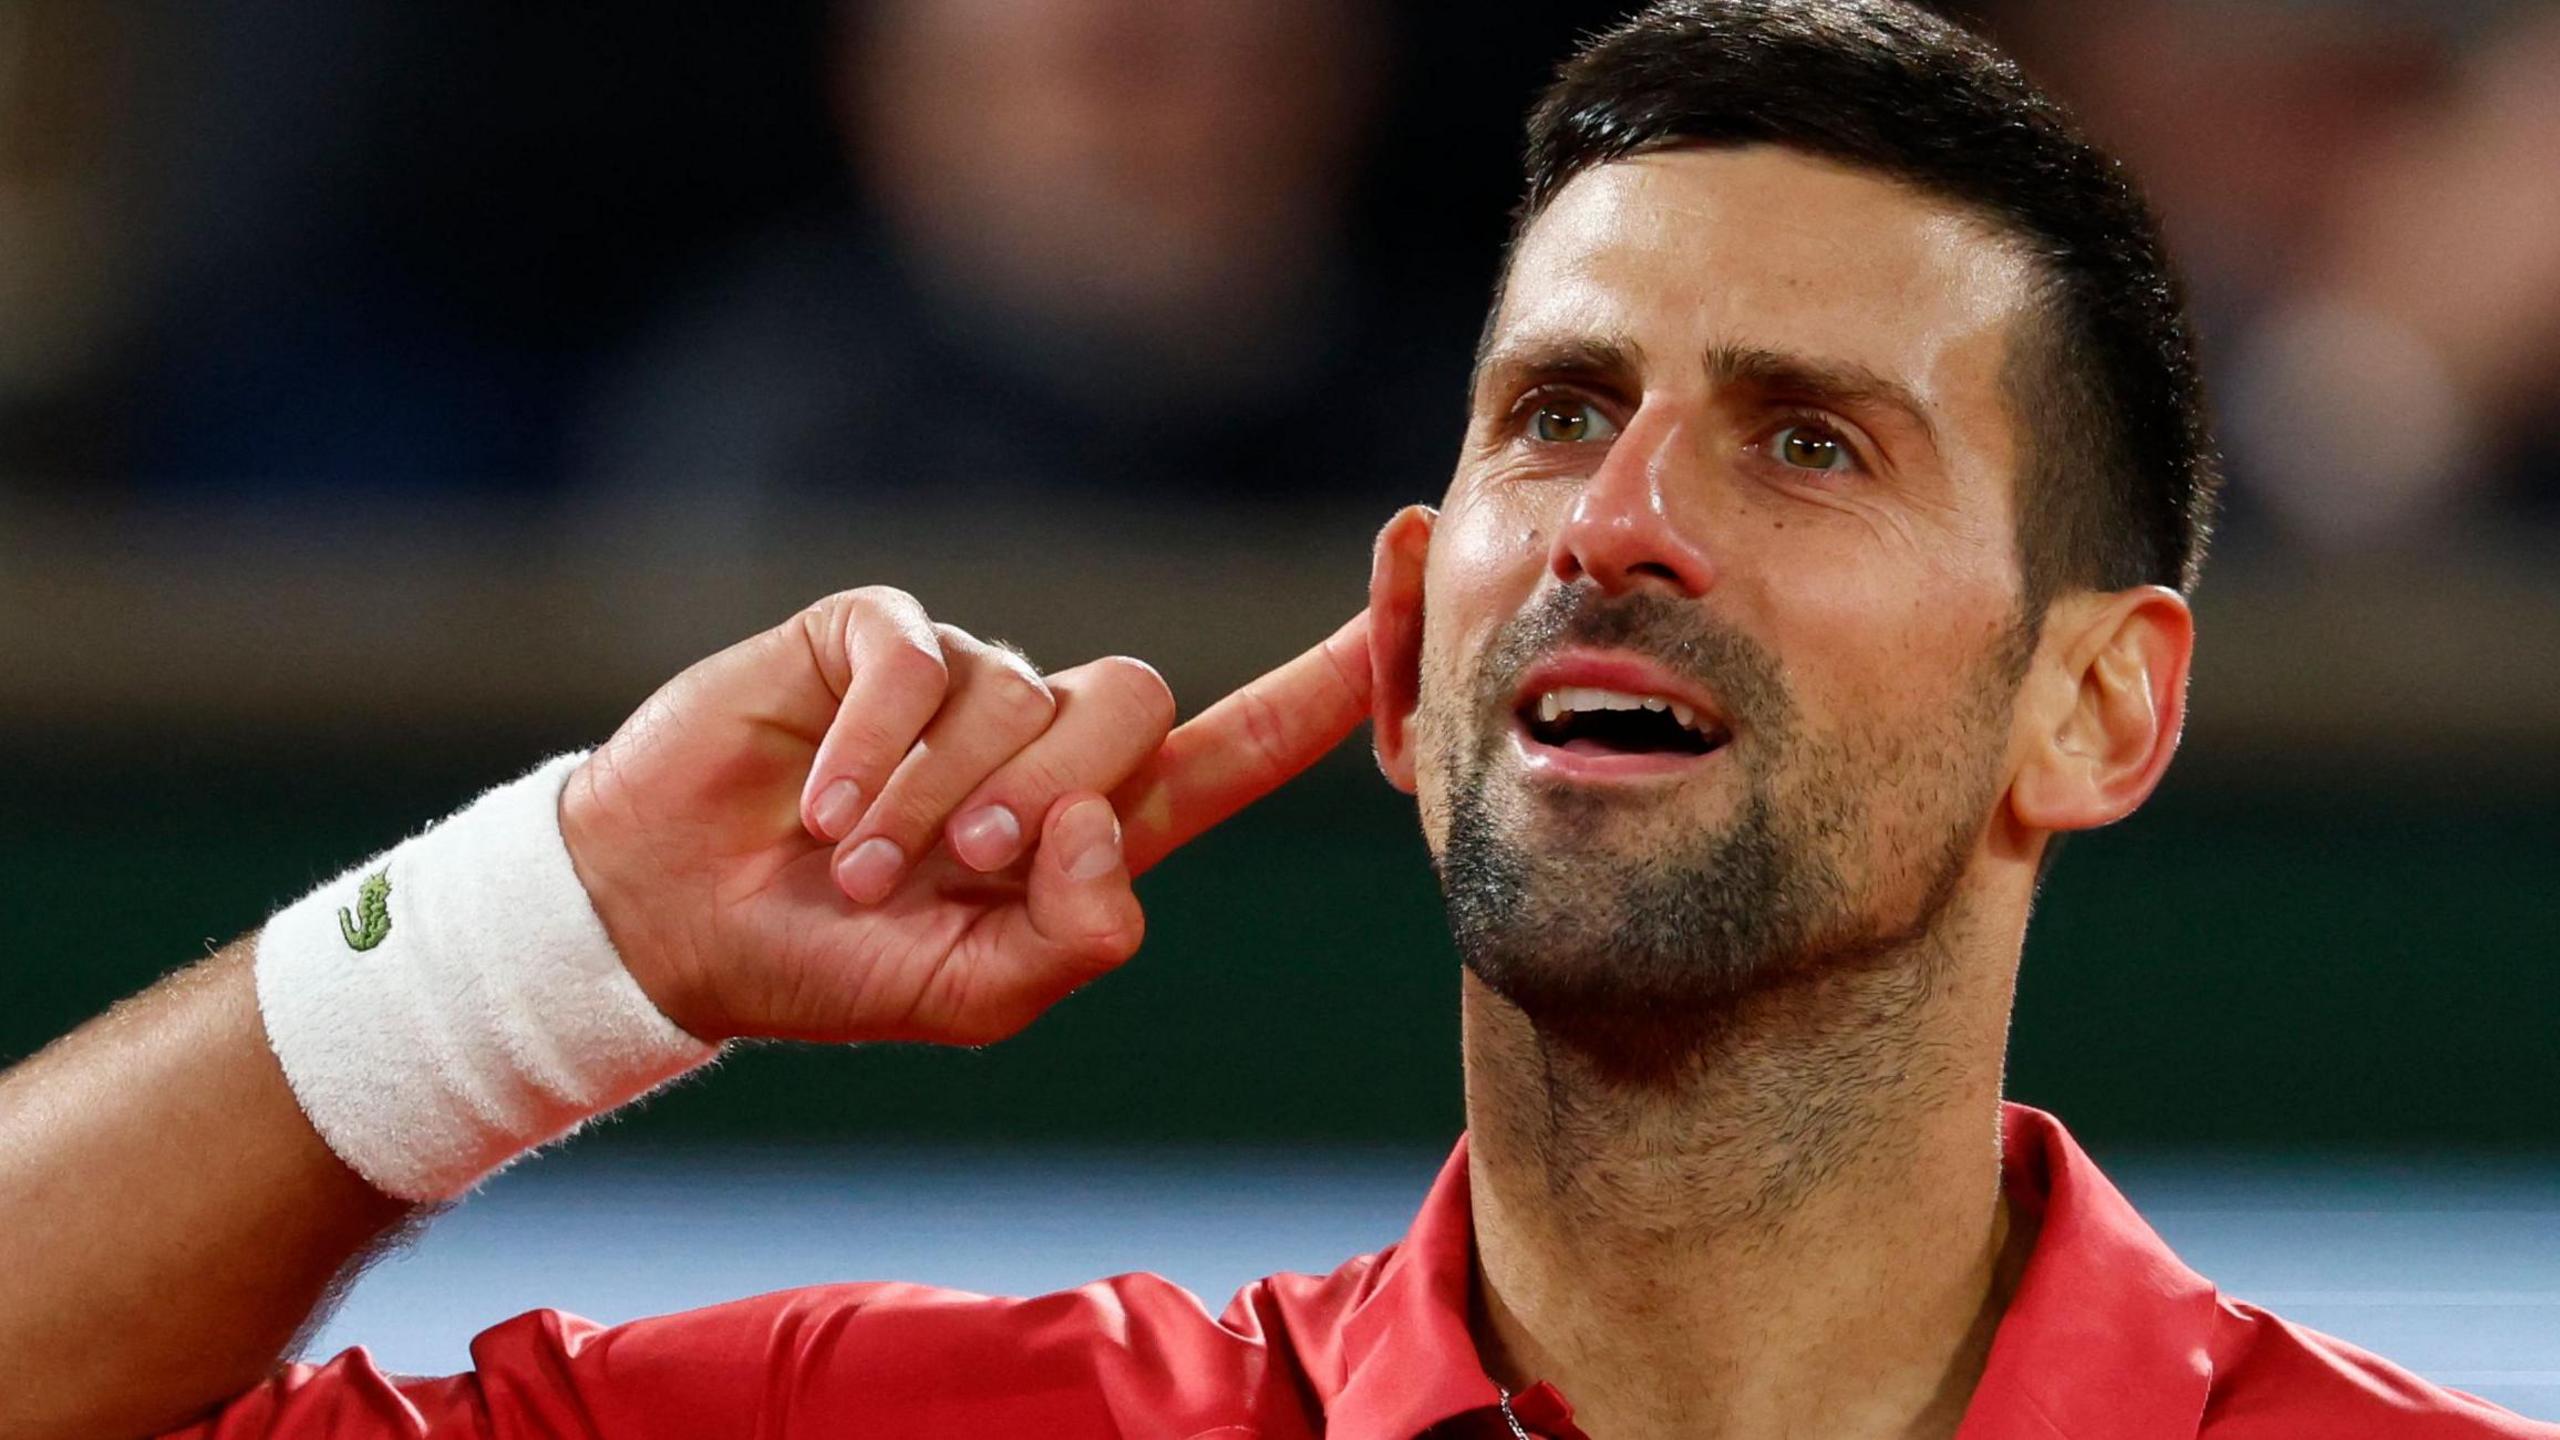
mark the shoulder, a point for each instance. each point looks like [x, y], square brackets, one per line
[936, 1336]
[1131, 1350]
[1131, 1356]
[1302, 1317]
[2274, 1378]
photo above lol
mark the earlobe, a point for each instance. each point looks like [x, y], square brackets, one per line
[1395, 638]
[2102, 748]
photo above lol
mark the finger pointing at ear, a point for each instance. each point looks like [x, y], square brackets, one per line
[1246, 746]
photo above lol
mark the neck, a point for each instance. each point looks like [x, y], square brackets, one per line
[1798, 1230]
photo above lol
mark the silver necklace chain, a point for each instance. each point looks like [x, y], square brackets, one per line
[1518, 1430]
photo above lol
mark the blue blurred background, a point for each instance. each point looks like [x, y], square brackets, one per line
[390, 394]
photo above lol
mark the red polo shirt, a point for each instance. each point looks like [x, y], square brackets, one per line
[2108, 1338]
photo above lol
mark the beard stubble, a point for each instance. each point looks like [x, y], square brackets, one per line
[1642, 961]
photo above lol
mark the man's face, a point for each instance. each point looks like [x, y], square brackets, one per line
[1740, 448]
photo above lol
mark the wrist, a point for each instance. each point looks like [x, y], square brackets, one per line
[597, 844]
[457, 1001]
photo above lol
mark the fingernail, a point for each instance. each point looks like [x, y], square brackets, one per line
[986, 838]
[1092, 836]
[838, 805]
[870, 870]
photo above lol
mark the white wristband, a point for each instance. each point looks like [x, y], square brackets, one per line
[455, 1002]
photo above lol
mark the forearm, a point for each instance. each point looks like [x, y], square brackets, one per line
[168, 1219]
[170, 1214]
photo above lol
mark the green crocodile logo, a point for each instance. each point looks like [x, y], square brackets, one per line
[371, 924]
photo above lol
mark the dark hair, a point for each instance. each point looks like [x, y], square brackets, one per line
[2118, 475]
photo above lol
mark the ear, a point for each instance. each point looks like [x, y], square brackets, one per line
[2112, 698]
[1395, 638]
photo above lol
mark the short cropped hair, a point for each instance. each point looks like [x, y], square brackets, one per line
[2118, 476]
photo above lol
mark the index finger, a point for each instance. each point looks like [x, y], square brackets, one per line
[1246, 746]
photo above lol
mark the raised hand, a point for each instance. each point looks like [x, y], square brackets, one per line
[861, 825]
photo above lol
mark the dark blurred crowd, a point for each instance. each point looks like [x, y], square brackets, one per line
[714, 269]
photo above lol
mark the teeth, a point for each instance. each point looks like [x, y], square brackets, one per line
[1554, 705]
[1583, 697]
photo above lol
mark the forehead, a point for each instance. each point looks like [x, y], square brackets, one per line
[1683, 251]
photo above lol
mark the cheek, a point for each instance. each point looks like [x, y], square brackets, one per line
[1488, 552]
[1905, 723]
[1486, 542]
[1444, 724]
[1868, 645]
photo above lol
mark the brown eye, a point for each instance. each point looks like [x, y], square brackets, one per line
[1803, 447]
[1569, 422]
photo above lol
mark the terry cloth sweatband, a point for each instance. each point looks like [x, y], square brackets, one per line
[452, 1003]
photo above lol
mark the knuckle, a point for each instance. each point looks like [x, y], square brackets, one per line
[1113, 944]
[1029, 784]
[883, 600]
[891, 620]
[823, 624]
[1265, 730]
[907, 660]
[874, 745]
[1019, 698]
[1004, 687]
[1136, 685]
[870, 607]
[1012, 654]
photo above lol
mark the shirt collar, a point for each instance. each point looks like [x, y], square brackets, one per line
[2105, 1339]
[1410, 1359]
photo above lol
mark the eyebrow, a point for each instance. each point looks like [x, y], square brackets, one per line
[1586, 356]
[1834, 384]
[1838, 384]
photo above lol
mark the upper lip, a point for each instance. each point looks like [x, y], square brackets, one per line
[1616, 670]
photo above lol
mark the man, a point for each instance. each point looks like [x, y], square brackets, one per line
[1814, 559]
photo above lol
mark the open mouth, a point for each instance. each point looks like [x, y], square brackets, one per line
[1587, 720]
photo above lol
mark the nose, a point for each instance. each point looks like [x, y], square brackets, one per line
[1624, 529]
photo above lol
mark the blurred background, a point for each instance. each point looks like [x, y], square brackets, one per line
[390, 394]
